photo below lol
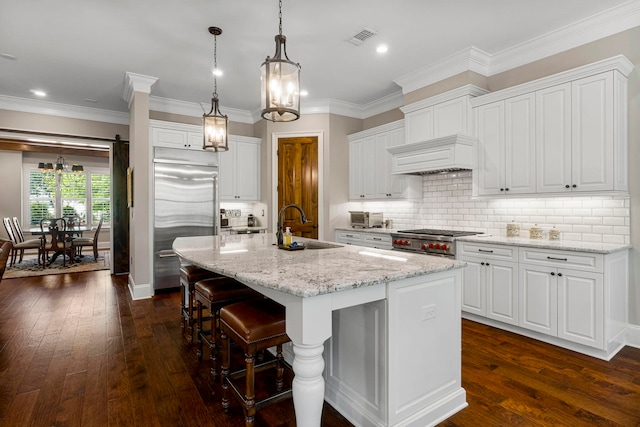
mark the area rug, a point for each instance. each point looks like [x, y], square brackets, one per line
[29, 266]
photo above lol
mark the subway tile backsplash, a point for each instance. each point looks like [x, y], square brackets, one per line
[447, 204]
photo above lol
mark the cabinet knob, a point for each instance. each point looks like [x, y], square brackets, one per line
[553, 274]
[506, 189]
[487, 264]
[502, 189]
[567, 186]
[574, 186]
[482, 263]
[559, 274]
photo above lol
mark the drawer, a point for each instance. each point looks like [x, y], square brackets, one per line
[349, 237]
[507, 253]
[563, 259]
[380, 241]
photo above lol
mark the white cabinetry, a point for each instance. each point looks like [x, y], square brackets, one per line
[577, 300]
[559, 134]
[239, 178]
[442, 115]
[378, 240]
[506, 155]
[370, 165]
[175, 135]
[490, 284]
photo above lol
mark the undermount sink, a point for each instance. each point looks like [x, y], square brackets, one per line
[320, 245]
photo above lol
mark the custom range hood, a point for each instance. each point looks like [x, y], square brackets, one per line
[448, 153]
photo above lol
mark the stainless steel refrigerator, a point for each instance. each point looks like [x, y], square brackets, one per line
[185, 204]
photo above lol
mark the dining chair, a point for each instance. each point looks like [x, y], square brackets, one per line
[17, 240]
[5, 250]
[60, 244]
[79, 242]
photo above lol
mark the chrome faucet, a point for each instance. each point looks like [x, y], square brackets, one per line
[279, 226]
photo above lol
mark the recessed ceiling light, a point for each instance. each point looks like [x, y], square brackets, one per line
[382, 48]
[304, 93]
[217, 72]
[38, 92]
[8, 56]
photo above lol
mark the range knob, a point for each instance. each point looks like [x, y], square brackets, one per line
[437, 245]
[431, 246]
[443, 247]
[406, 243]
[395, 241]
[423, 247]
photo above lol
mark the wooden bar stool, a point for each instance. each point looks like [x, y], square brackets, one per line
[214, 293]
[254, 326]
[189, 275]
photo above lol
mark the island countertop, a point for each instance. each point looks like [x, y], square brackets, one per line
[254, 259]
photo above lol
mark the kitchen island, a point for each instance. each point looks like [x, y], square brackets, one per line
[390, 320]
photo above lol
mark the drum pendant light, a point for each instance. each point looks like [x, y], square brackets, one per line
[215, 125]
[280, 97]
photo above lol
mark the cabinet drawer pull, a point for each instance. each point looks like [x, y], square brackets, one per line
[557, 259]
[484, 250]
[376, 238]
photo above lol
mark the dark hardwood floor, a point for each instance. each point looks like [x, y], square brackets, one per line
[75, 350]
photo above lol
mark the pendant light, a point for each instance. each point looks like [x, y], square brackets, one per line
[60, 167]
[215, 124]
[280, 97]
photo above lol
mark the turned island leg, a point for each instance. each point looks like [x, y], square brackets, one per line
[308, 384]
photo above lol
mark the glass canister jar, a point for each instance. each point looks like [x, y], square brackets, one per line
[513, 229]
[535, 232]
[554, 234]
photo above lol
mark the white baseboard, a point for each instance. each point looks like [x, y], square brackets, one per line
[633, 336]
[142, 291]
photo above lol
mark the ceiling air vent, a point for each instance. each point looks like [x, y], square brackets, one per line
[364, 35]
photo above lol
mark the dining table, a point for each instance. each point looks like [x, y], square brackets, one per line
[68, 233]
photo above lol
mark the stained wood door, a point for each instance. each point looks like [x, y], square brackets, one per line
[298, 183]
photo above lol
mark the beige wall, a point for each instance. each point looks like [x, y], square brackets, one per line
[11, 177]
[450, 83]
[382, 119]
[63, 125]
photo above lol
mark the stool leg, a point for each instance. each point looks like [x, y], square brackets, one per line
[199, 331]
[182, 304]
[250, 395]
[279, 368]
[213, 346]
[224, 369]
[192, 294]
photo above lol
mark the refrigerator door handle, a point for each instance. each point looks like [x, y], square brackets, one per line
[168, 253]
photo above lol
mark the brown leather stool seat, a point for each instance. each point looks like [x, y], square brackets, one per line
[214, 293]
[254, 326]
[189, 275]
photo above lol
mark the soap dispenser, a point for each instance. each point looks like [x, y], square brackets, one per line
[287, 236]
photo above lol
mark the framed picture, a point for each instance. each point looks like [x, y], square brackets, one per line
[129, 187]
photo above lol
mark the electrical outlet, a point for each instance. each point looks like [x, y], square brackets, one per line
[428, 312]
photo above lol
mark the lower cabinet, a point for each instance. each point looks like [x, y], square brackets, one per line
[574, 297]
[379, 240]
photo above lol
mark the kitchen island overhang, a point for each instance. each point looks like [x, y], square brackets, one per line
[413, 346]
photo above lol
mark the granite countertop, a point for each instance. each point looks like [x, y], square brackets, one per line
[563, 245]
[254, 259]
[242, 228]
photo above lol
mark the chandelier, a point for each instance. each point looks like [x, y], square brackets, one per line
[215, 124]
[61, 166]
[280, 93]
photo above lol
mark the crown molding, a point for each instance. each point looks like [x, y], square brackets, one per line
[467, 90]
[134, 82]
[193, 109]
[26, 105]
[596, 27]
[618, 63]
[469, 59]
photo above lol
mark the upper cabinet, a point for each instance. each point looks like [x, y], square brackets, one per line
[561, 134]
[239, 168]
[239, 178]
[506, 156]
[370, 165]
[442, 115]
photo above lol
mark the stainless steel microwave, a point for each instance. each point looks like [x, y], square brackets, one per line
[362, 219]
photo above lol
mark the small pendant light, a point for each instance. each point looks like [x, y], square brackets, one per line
[280, 97]
[215, 125]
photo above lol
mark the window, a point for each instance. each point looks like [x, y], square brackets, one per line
[85, 195]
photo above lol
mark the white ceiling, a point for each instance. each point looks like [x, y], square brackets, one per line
[81, 49]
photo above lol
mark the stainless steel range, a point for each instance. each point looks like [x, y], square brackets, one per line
[428, 241]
